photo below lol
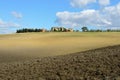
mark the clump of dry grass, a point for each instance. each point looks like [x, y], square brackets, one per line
[97, 64]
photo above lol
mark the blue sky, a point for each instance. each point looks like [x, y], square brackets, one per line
[16, 14]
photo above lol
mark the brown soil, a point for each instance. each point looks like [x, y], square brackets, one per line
[97, 64]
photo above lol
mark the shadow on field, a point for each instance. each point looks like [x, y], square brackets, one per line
[97, 64]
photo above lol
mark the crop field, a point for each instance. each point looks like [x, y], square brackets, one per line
[60, 56]
[96, 64]
[26, 46]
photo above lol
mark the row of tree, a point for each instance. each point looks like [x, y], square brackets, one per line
[85, 29]
[53, 29]
[63, 29]
[24, 30]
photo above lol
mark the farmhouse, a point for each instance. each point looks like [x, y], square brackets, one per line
[43, 30]
[69, 30]
[61, 29]
[58, 29]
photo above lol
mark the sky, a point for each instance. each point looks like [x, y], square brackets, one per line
[96, 14]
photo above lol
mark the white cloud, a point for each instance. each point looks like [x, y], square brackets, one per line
[84, 3]
[86, 17]
[104, 2]
[113, 14]
[4, 24]
[81, 3]
[17, 15]
[5, 27]
[107, 17]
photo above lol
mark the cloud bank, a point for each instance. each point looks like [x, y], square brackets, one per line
[84, 3]
[5, 26]
[108, 16]
[104, 2]
[85, 17]
[81, 3]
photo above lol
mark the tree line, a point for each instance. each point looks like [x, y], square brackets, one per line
[24, 30]
[53, 29]
[85, 29]
[63, 29]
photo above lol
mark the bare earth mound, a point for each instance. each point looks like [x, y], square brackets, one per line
[97, 64]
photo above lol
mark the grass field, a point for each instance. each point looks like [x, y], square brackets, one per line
[24, 46]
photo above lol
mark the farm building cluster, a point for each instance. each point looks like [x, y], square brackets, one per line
[53, 29]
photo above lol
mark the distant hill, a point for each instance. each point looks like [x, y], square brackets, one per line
[97, 64]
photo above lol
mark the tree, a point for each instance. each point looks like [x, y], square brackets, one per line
[84, 29]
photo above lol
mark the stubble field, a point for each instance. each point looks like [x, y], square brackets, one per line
[26, 46]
